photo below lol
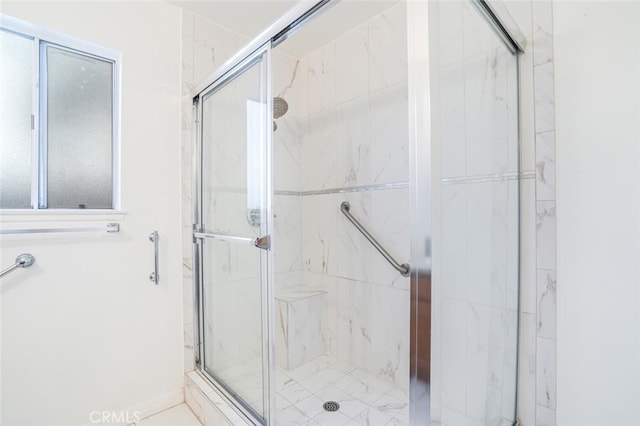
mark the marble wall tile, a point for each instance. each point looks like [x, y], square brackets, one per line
[352, 64]
[389, 222]
[287, 154]
[319, 234]
[486, 122]
[389, 134]
[545, 166]
[452, 112]
[545, 416]
[353, 143]
[527, 370]
[187, 83]
[454, 355]
[213, 45]
[454, 241]
[319, 152]
[546, 372]
[509, 364]
[528, 220]
[329, 284]
[287, 242]
[355, 252]
[521, 13]
[450, 38]
[487, 243]
[321, 76]
[544, 98]
[527, 111]
[388, 48]
[372, 331]
[546, 234]
[546, 309]
[478, 36]
[542, 31]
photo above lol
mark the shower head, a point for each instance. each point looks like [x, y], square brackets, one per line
[280, 107]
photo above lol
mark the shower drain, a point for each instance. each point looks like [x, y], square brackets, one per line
[331, 406]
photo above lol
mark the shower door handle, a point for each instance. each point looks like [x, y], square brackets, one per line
[263, 242]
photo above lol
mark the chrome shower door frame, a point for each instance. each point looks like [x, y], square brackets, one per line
[266, 254]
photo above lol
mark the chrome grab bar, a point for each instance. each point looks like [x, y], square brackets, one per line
[23, 261]
[404, 269]
[155, 275]
[111, 227]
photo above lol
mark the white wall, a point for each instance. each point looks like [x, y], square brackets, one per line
[597, 66]
[84, 329]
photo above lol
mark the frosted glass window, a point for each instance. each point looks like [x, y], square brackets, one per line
[16, 97]
[79, 93]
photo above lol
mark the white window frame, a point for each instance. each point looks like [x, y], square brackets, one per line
[41, 38]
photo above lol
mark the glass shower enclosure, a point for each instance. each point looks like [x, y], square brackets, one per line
[301, 320]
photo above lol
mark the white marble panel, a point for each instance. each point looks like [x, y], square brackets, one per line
[287, 153]
[452, 113]
[187, 55]
[479, 37]
[546, 373]
[509, 363]
[389, 134]
[352, 64]
[527, 111]
[542, 31]
[486, 121]
[528, 298]
[544, 98]
[546, 234]
[321, 74]
[319, 168]
[319, 233]
[546, 324]
[213, 46]
[450, 34]
[454, 241]
[545, 416]
[287, 238]
[520, 11]
[527, 370]
[486, 335]
[373, 329]
[388, 48]
[513, 245]
[389, 223]
[329, 284]
[355, 252]
[546, 166]
[353, 143]
[454, 354]
[487, 243]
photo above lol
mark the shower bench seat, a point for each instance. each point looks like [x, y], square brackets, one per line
[300, 325]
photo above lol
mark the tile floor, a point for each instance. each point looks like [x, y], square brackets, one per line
[364, 399]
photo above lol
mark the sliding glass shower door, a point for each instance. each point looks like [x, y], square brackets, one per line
[232, 233]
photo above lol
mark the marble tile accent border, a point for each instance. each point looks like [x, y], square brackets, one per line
[346, 189]
[496, 177]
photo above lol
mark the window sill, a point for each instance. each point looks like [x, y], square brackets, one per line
[61, 215]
